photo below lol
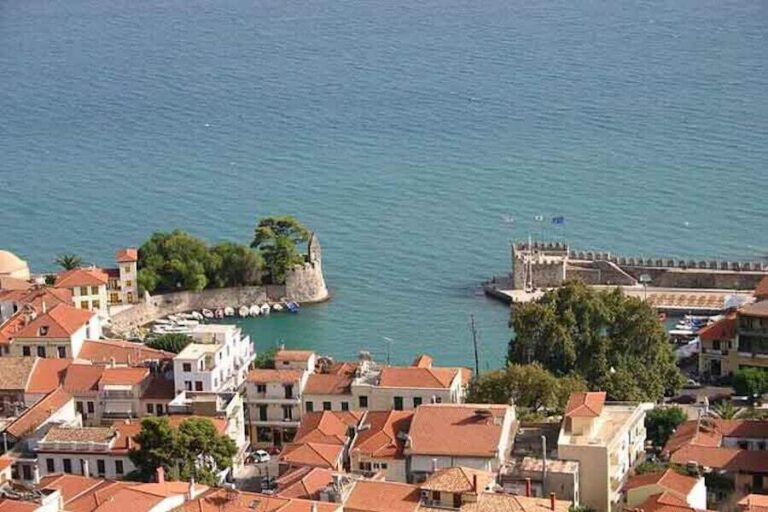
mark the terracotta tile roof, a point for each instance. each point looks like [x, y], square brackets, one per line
[130, 428]
[759, 309]
[458, 480]
[723, 329]
[457, 429]
[159, 388]
[8, 505]
[761, 291]
[304, 482]
[689, 432]
[264, 376]
[422, 361]
[47, 375]
[754, 503]
[729, 459]
[15, 372]
[743, 428]
[413, 377]
[83, 379]
[38, 413]
[378, 496]
[124, 375]
[337, 380]
[81, 277]
[61, 321]
[321, 455]
[380, 438]
[585, 405]
[666, 502]
[70, 486]
[79, 434]
[123, 352]
[492, 502]
[5, 462]
[35, 295]
[127, 255]
[10, 327]
[327, 426]
[222, 500]
[293, 356]
[669, 479]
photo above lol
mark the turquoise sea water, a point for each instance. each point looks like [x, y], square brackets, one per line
[402, 132]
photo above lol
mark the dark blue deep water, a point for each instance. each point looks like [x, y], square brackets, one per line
[403, 132]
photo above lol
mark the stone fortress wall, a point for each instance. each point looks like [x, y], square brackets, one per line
[304, 284]
[551, 263]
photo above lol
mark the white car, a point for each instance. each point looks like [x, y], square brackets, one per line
[260, 456]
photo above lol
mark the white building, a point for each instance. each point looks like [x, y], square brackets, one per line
[56, 332]
[690, 490]
[217, 360]
[87, 451]
[126, 288]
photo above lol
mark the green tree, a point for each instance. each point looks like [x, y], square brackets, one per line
[195, 449]
[265, 358]
[276, 238]
[173, 261]
[751, 382]
[580, 508]
[661, 422]
[234, 265]
[170, 342]
[650, 466]
[69, 261]
[614, 342]
[724, 410]
[530, 386]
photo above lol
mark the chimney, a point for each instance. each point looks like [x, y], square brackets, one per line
[552, 501]
[314, 507]
[160, 475]
[191, 489]
[475, 484]
[86, 469]
[528, 487]
[45, 307]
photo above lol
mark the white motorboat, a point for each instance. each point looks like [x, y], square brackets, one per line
[196, 315]
[163, 321]
[219, 313]
[265, 309]
[207, 313]
[255, 310]
[188, 323]
[243, 311]
[277, 307]
[229, 311]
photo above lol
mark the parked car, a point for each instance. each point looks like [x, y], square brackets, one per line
[261, 456]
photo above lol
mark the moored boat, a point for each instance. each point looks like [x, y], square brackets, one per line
[255, 310]
[229, 311]
[207, 313]
[265, 309]
[243, 311]
[293, 307]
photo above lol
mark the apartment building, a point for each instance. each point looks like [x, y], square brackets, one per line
[273, 402]
[88, 287]
[56, 332]
[217, 360]
[607, 440]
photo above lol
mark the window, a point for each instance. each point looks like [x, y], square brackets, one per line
[310, 406]
[91, 408]
[326, 406]
[716, 345]
[344, 406]
[119, 467]
[41, 350]
[26, 471]
[26, 350]
[96, 304]
[83, 304]
[198, 385]
[416, 401]
[129, 283]
[744, 445]
[286, 363]
[83, 290]
[398, 406]
[261, 388]
[188, 385]
[50, 465]
[288, 412]
[127, 270]
[100, 467]
[363, 402]
[365, 466]
[262, 413]
[435, 495]
[438, 400]
[288, 391]
[383, 465]
[61, 351]
[757, 482]
[456, 500]
[150, 408]
[159, 409]
[186, 367]
[67, 465]
[94, 290]
[79, 407]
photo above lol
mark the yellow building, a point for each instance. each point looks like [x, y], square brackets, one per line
[607, 439]
[739, 340]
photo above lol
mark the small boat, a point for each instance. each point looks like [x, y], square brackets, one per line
[243, 311]
[187, 323]
[207, 313]
[265, 309]
[163, 321]
[277, 307]
[229, 311]
[219, 313]
[292, 307]
[196, 315]
[255, 310]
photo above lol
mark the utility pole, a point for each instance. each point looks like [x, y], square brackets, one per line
[474, 343]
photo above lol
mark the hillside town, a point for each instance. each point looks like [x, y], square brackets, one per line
[310, 433]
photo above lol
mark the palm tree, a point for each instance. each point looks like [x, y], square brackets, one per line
[68, 261]
[725, 410]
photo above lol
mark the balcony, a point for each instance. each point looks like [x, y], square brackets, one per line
[272, 398]
[117, 395]
[290, 423]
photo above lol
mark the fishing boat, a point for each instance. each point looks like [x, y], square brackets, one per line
[243, 311]
[207, 313]
[265, 309]
[219, 313]
[292, 307]
[229, 311]
[277, 306]
[255, 310]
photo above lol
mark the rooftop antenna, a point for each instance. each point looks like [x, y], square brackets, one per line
[474, 343]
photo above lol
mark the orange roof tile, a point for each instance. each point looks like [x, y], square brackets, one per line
[496, 502]
[585, 405]
[159, 388]
[729, 459]
[38, 413]
[70, 486]
[457, 429]
[458, 480]
[378, 496]
[81, 277]
[304, 482]
[723, 329]
[127, 255]
[122, 352]
[83, 379]
[321, 455]
[61, 321]
[219, 500]
[15, 372]
[337, 380]
[294, 356]
[668, 479]
[761, 290]
[8, 505]
[665, 502]
[691, 432]
[422, 361]
[10, 327]
[47, 375]
[264, 376]
[5, 462]
[124, 375]
[743, 428]
[327, 426]
[754, 503]
[380, 438]
[415, 377]
[759, 309]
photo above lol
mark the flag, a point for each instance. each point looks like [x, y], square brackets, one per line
[558, 220]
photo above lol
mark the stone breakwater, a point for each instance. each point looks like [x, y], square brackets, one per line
[304, 284]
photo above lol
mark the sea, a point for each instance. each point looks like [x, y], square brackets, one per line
[417, 139]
